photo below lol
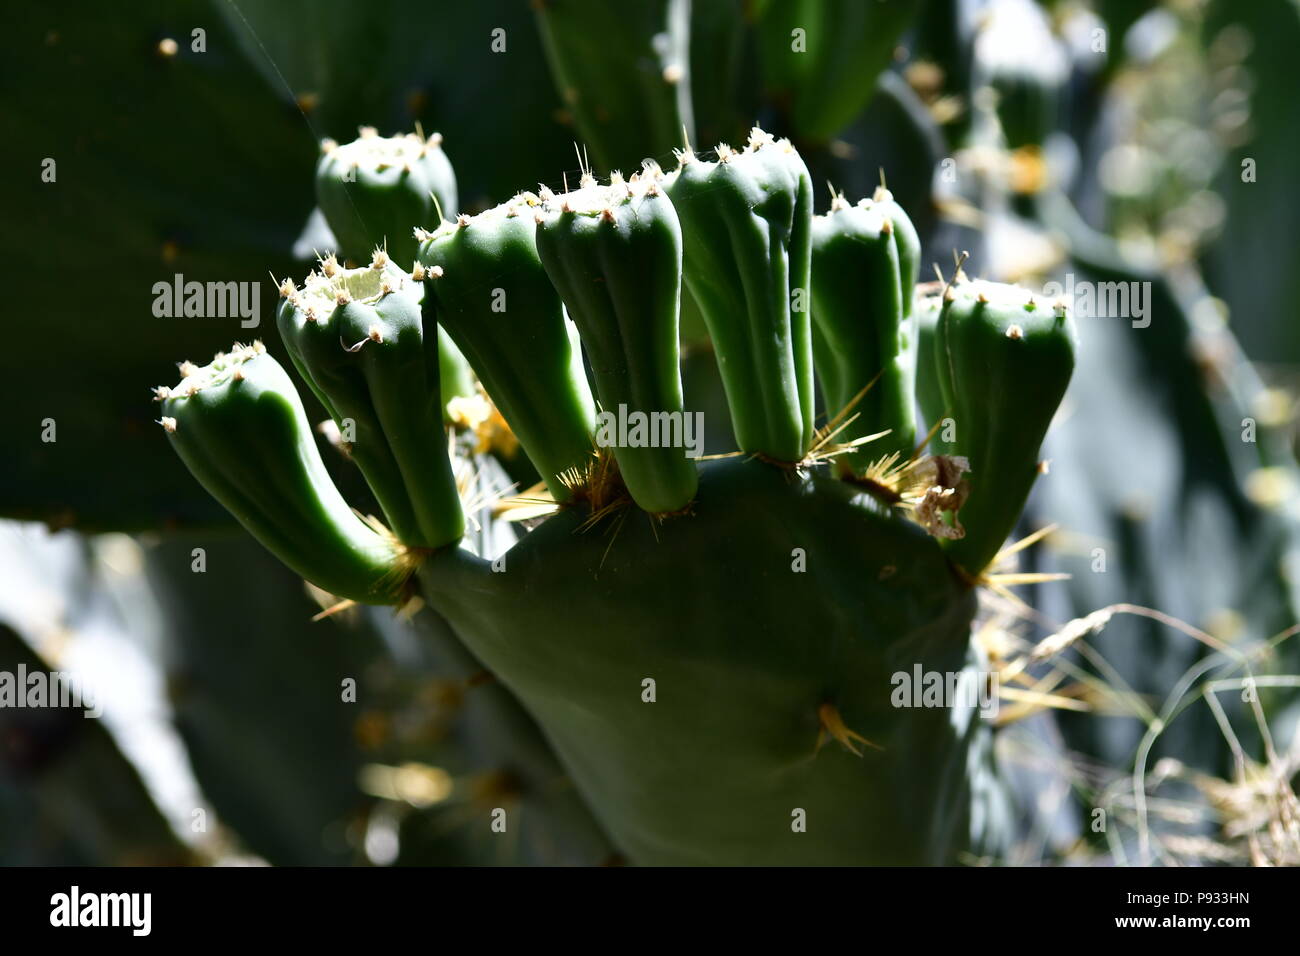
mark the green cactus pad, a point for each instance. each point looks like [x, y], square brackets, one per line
[376, 189]
[356, 336]
[485, 284]
[1002, 360]
[614, 253]
[860, 336]
[746, 222]
[774, 617]
[240, 428]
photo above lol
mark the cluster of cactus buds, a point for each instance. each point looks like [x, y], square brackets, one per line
[758, 663]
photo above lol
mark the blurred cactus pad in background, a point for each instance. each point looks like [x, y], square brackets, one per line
[705, 432]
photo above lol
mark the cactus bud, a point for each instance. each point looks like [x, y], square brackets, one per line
[240, 428]
[494, 299]
[1002, 366]
[860, 333]
[374, 190]
[357, 338]
[746, 224]
[616, 261]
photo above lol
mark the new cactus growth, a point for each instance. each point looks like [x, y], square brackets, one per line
[722, 686]
[486, 286]
[357, 337]
[614, 254]
[240, 427]
[747, 221]
[376, 189]
[862, 336]
[1002, 360]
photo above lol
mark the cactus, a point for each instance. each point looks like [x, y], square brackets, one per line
[356, 336]
[712, 702]
[485, 284]
[1153, 484]
[821, 57]
[623, 71]
[747, 223]
[1002, 361]
[615, 255]
[376, 189]
[864, 268]
[239, 425]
